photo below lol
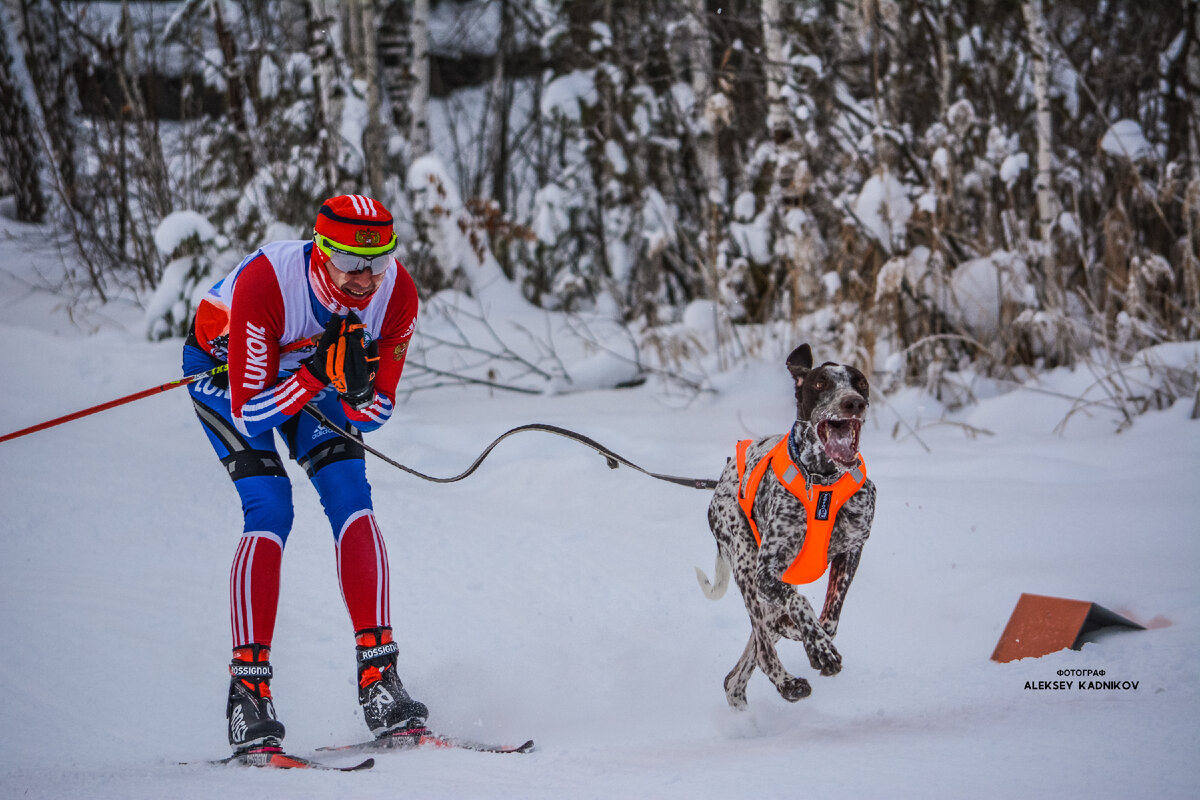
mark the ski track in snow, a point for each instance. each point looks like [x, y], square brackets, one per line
[550, 597]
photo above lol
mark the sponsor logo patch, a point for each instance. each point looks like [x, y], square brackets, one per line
[255, 376]
[250, 671]
[823, 505]
[381, 650]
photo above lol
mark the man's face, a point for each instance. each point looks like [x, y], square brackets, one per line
[359, 285]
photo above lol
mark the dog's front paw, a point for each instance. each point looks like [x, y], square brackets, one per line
[832, 668]
[794, 689]
[830, 626]
[824, 657]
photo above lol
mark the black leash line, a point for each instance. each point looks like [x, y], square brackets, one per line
[610, 457]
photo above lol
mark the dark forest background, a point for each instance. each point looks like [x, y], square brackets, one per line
[852, 168]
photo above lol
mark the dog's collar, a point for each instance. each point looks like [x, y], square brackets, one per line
[793, 452]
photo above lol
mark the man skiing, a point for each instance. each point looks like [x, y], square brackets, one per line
[326, 322]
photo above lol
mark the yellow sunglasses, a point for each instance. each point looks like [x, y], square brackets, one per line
[352, 259]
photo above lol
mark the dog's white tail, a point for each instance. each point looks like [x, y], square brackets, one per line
[715, 592]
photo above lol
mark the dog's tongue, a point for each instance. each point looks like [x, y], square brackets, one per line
[840, 440]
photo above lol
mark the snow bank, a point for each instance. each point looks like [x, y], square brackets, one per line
[553, 598]
[1126, 140]
[982, 286]
[179, 226]
[883, 209]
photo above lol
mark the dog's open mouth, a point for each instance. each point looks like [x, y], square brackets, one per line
[839, 437]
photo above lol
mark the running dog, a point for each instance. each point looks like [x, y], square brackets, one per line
[805, 498]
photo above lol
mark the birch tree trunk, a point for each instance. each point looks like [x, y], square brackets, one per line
[352, 36]
[501, 103]
[396, 62]
[419, 134]
[1035, 22]
[374, 145]
[321, 53]
[700, 58]
[778, 119]
[713, 109]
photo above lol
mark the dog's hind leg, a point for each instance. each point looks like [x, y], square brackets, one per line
[739, 676]
[716, 590]
[792, 689]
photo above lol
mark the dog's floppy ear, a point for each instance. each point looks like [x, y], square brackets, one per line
[800, 362]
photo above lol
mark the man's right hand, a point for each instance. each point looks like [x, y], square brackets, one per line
[328, 362]
[361, 363]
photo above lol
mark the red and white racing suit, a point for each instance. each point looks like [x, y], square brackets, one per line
[264, 319]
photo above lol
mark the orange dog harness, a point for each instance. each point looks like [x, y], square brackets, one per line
[821, 506]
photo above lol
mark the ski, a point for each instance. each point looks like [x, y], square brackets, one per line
[276, 758]
[413, 738]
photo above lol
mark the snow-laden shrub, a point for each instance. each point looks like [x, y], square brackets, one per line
[188, 241]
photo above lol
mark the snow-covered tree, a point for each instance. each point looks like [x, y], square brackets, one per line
[858, 170]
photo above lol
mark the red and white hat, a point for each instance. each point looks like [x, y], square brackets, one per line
[355, 220]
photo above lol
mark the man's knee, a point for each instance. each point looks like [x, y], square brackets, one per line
[330, 452]
[344, 491]
[243, 464]
[267, 504]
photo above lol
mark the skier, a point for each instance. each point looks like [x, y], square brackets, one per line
[325, 321]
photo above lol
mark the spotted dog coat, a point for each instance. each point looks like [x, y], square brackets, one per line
[831, 402]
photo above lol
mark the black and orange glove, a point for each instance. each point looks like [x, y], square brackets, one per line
[360, 365]
[327, 362]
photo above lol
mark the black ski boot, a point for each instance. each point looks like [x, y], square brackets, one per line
[387, 706]
[250, 710]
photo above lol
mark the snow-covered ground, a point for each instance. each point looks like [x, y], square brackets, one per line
[550, 597]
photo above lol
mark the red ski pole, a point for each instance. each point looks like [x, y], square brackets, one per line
[120, 401]
[114, 403]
